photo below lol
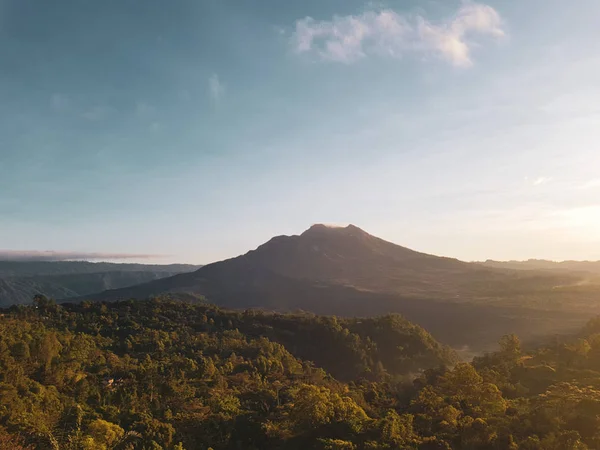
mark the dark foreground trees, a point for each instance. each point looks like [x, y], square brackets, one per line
[171, 375]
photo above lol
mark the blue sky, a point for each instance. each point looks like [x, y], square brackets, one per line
[199, 129]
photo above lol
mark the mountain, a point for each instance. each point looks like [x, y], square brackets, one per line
[20, 281]
[351, 257]
[542, 264]
[326, 256]
[348, 272]
[36, 268]
[347, 257]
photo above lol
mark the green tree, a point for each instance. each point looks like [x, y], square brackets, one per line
[102, 435]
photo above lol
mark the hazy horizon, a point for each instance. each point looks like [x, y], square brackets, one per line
[199, 131]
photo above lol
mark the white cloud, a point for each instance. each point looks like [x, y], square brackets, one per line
[216, 89]
[385, 32]
[541, 180]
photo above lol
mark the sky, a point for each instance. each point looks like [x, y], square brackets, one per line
[195, 130]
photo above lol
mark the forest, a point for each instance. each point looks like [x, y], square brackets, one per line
[166, 374]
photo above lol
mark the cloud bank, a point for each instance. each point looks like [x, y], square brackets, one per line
[26, 255]
[346, 39]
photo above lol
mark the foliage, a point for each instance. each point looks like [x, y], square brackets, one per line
[162, 374]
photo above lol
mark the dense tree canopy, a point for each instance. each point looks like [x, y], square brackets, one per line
[162, 374]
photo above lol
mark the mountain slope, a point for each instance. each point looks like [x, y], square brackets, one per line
[20, 281]
[347, 272]
[324, 256]
[541, 264]
[36, 268]
[350, 257]
[170, 372]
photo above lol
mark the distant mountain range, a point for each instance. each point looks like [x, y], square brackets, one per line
[21, 280]
[348, 272]
[35, 268]
[542, 264]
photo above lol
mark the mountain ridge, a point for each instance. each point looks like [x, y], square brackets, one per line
[42, 267]
[544, 264]
[21, 280]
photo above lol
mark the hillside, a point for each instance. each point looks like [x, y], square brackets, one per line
[327, 256]
[351, 257]
[35, 268]
[20, 290]
[20, 281]
[169, 375]
[541, 264]
[167, 370]
[347, 272]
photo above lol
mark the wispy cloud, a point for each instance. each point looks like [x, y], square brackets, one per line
[540, 180]
[385, 32]
[27, 255]
[216, 89]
